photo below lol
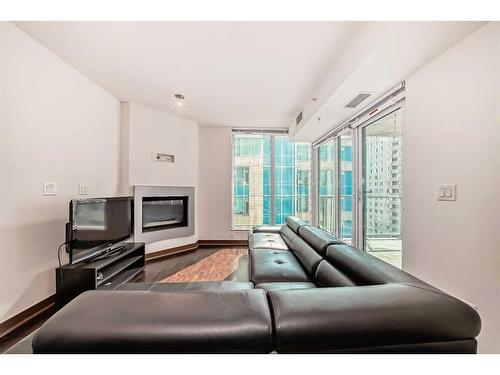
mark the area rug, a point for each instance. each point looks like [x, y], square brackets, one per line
[216, 267]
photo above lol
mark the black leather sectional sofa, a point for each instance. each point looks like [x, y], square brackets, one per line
[309, 293]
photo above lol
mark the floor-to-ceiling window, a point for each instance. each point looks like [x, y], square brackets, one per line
[251, 182]
[273, 174]
[382, 190]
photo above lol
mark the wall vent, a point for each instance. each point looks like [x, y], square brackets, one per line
[357, 100]
[158, 156]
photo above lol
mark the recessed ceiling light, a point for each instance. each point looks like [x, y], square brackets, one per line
[179, 98]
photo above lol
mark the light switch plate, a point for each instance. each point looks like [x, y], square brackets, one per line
[447, 192]
[83, 189]
[49, 188]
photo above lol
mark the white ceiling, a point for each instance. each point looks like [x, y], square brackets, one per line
[242, 74]
[381, 56]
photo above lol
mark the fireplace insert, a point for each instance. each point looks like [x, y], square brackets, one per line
[160, 213]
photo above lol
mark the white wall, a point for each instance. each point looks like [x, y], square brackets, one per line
[214, 193]
[56, 126]
[150, 131]
[452, 135]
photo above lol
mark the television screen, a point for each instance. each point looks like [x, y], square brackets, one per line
[99, 221]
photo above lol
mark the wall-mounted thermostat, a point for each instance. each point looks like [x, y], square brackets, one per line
[158, 156]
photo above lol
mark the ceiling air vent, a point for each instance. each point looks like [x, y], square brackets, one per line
[357, 100]
[298, 119]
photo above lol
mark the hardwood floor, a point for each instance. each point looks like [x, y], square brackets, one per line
[156, 270]
[218, 266]
[159, 269]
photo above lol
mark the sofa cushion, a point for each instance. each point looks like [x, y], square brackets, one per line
[285, 285]
[295, 223]
[187, 287]
[266, 241]
[150, 322]
[306, 255]
[328, 276]
[328, 319]
[318, 238]
[275, 265]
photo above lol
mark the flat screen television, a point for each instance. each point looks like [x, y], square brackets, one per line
[96, 224]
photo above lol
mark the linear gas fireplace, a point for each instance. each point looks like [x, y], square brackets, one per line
[163, 212]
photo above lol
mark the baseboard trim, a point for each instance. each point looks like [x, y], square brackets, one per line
[26, 316]
[171, 251]
[32, 312]
[193, 246]
[209, 243]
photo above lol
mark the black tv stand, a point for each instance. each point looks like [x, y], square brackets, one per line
[109, 252]
[106, 272]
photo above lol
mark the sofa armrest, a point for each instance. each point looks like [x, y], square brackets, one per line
[332, 319]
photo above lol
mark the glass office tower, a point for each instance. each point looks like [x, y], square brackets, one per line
[266, 168]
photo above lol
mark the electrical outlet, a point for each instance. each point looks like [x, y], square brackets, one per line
[83, 189]
[49, 188]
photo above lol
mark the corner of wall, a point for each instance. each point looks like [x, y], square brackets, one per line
[124, 186]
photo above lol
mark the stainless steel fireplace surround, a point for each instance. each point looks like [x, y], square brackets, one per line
[163, 212]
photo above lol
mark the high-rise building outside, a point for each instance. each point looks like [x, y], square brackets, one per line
[252, 179]
[382, 188]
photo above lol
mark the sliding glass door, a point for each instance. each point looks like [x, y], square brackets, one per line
[381, 187]
[360, 184]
